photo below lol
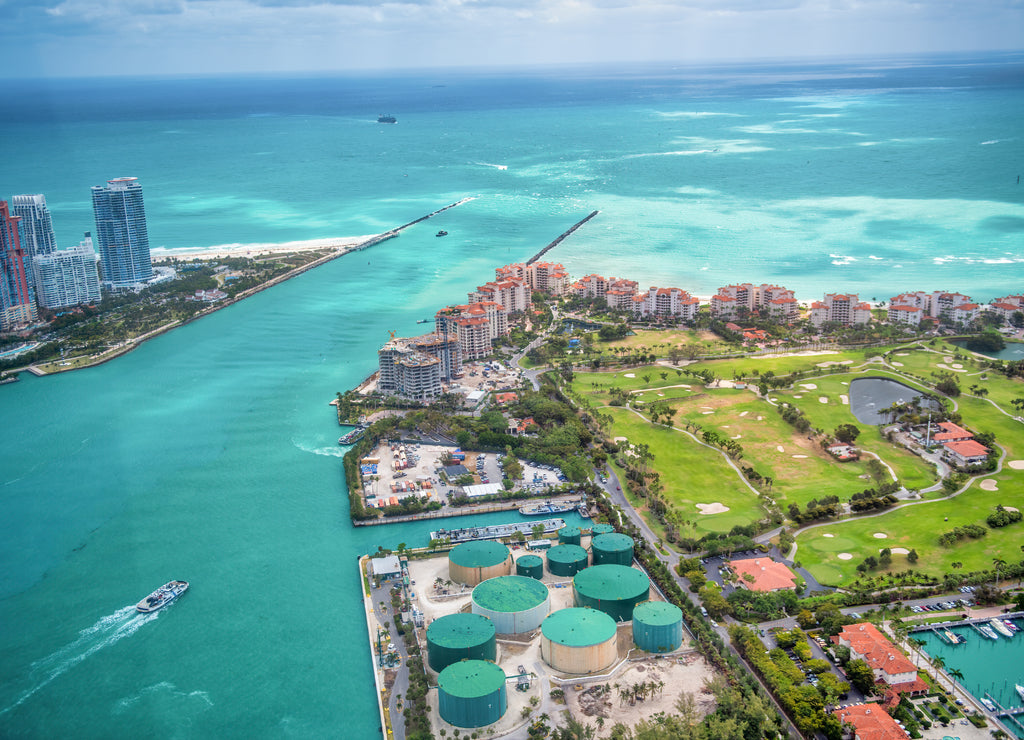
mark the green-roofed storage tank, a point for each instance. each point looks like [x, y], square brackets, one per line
[614, 589]
[515, 604]
[603, 528]
[658, 626]
[569, 536]
[578, 640]
[612, 549]
[531, 566]
[458, 637]
[566, 560]
[471, 693]
[473, 562]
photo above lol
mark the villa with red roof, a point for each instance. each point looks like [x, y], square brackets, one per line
[763, 574]
[966, 453]
[870, 722]
[889, 665]
[663, 302]
[951, 433]
[840, 308]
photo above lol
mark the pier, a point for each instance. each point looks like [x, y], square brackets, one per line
[391, 234]
[559, 240]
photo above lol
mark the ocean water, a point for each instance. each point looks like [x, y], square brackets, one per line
[209, 453]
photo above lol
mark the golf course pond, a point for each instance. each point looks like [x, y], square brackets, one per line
[870, 398]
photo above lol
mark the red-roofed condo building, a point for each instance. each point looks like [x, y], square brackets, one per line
[667, 302]
[548, 277]
[475, 325]
[840, 308]
[514, 294]
[870, 722]
[777, 301]
[17, 303]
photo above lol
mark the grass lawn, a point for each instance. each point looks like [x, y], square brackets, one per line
[691, 474]
[918, 527]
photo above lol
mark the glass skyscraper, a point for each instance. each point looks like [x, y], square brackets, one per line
[17, 305]
[121, 234]
[37, 237]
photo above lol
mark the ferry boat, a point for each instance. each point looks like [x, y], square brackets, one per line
[547, 508]
[495, 531]
[998, 626]
[162, 596]
[988, 703]
[988, 632]
[384, 118]
[351, 437]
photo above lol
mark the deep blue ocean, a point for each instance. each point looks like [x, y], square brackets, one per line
[209, 453]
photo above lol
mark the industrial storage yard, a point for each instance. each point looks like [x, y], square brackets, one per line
[483, 602]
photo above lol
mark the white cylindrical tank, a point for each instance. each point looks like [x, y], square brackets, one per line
[515, 604]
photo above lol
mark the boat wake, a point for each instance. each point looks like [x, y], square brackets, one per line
[107, 631]
[495, 166]
[331, 451]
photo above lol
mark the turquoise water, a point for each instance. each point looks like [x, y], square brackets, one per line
[210, 453]
[1012, 352]
[989, 666]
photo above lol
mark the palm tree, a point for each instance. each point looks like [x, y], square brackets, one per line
[955, 674]
[917, 645]
[999, 563]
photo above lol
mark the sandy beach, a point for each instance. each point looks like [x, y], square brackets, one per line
[342, 243]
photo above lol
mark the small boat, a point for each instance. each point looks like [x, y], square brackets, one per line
[582, 510]
[351, 437]
[988, 704]
[162, 596]
[384, 118]
[953, 638]
[1020, 690]
[441, 233]
[988, 632]
[998, 626]
[1013, 628]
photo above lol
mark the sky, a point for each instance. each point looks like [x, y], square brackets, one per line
[57, 38]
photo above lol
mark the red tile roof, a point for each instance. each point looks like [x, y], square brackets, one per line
[872, 722]
[877, 651]
[768, 575]
[967, 448]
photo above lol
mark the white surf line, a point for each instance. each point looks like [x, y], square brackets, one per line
[104, 633]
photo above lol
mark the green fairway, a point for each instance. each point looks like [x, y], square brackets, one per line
[691, 474]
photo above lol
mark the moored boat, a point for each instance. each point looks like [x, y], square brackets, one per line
[162, 596]
[988, 632]
[998, 626]
[953, 638]
[988, 704]
[495, 531]
[1020, 690]
[351, 437]
[1013, 628]
[547, 508]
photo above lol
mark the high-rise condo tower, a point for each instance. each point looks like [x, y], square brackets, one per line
[121, 234]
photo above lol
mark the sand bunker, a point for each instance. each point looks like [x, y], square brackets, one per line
[738, 436]
[951, 369]
[1011, 508]
[898, 551]
[845, 556]
[988, 485]
[744, 413]
[1016, 464]
[956, 366]
[780, 448]
[799, 457]
[707, 412]
[844, 383]
[809, 386]
[880, 536]
[830, 364]
[896, 364]
[619, 439]
[827, 534]
[797, 396]
[715, 508]
[845, 399]
[823, 399]
[629, 375]
[903, 354]
[661, 394]
[761, 418]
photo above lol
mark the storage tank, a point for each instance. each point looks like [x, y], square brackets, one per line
[472, 562]
[515, 604]
[458, 637]
[614, 589]
[603, 528]
[471, 693]
[569, 536]
[612, 549]
[657, 626]
[531, 566]
[566, 560]
[578, 640]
